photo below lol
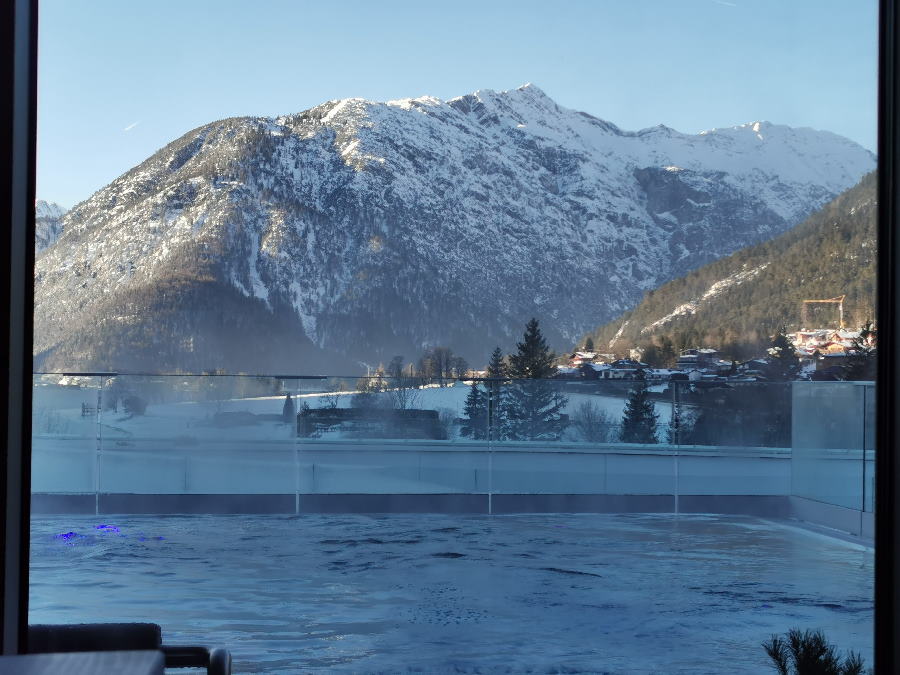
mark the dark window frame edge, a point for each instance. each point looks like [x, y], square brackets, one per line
[17, 191]
[19, 114]
[887, 648]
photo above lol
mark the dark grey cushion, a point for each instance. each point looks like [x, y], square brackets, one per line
[93, 637]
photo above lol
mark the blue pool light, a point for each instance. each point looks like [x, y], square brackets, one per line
[103, 529]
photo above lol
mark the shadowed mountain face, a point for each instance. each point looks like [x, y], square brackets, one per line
[358, 230]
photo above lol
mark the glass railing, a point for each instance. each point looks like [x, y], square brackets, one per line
[833, 442]
[493, 524]
[100, 440]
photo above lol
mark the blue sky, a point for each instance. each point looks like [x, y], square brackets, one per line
[118, 80]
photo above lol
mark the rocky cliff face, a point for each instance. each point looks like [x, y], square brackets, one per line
[47, 224]
[362, 230]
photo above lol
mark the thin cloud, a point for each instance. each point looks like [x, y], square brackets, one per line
[131, 126]
[724, 2]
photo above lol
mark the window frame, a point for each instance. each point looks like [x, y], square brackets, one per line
[18, 28]
[887, 477]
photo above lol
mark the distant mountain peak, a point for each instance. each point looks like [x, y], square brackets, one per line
[371, 229]
[46, 209]
[406, 103]
[47, 223]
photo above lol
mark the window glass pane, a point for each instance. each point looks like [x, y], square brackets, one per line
[354, 351]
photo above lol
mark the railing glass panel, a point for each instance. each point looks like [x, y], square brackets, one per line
[833, 442]
[107, 435]
[371, 505]
[67, 431]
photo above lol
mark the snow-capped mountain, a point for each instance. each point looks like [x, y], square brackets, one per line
[371, 229]
[47, 223]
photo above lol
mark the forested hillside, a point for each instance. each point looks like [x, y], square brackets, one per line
[736, 303]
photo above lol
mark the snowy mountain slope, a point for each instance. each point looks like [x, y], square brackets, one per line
[372, 229]
[715, 290]
[47, 223]
[745, 297]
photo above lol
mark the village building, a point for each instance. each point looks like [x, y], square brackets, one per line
[697, 358]
[623, 369]
[754, 368]
[810, 340]
[705, 360]
[578, 358]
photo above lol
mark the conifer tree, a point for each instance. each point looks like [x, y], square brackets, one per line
[784, 365]
[532, 405]
[534, 359]
[861, 362]
[496, 398]
[589, 344]
[289, 411]
[809, 653]
[497, 367]
[639, 419]
[475, 411]
[478, 418]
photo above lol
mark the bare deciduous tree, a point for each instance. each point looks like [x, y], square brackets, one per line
[405, 393]
[593, 424]
[440, 363]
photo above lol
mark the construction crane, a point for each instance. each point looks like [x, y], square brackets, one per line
[839, 301]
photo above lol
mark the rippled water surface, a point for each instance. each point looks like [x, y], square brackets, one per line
[453, 593]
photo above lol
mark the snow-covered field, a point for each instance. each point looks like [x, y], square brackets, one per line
[58, 413]
[449, 593]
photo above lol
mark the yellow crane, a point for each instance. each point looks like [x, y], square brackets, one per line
[839, 301]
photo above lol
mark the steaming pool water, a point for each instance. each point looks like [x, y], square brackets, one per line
[458, 593]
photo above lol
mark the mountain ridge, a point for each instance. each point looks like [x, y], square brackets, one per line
[383, 228]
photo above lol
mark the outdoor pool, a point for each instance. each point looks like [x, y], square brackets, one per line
[632, 593]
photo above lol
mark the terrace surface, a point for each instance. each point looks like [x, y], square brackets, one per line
[628, 593]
